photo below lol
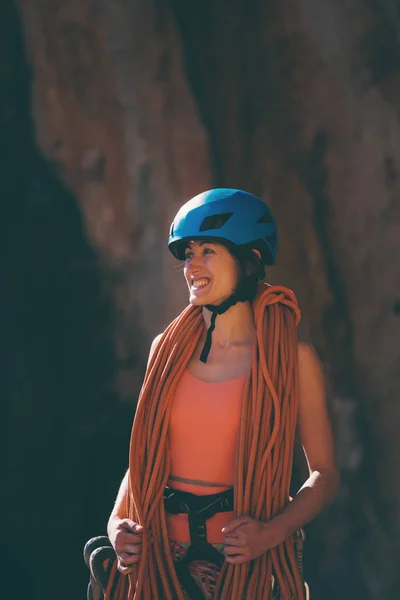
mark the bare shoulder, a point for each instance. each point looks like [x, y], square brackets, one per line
[153, 346]
[308, 359]
[308, 355]
[311, 377]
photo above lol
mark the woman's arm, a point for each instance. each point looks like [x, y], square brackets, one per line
[120, 510]
[125, 535]
[317, 440]
[247, 538]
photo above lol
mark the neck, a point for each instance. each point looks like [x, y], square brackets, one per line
[234, 327]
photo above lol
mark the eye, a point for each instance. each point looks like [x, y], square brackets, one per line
[208, 251]
[188, 255]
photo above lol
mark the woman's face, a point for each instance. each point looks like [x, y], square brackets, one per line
[210, 271]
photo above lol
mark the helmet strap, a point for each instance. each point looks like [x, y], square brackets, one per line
[217, 310]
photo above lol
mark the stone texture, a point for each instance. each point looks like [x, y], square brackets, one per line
[139, 105]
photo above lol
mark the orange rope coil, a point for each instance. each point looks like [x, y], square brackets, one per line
[263, 461]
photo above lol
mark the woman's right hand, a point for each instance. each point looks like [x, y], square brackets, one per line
[126, 538]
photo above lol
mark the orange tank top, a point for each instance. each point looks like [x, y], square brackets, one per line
[203, 430]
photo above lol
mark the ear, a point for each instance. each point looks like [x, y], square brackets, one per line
[250, 266]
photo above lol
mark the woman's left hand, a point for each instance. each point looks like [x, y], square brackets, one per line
[247, 538]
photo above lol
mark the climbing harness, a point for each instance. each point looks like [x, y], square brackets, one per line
[198, 509]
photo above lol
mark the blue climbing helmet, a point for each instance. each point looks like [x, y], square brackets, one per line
[228, 215]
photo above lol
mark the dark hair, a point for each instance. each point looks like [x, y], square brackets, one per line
[251, 269]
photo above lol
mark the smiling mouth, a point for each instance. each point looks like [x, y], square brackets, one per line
[198, 284]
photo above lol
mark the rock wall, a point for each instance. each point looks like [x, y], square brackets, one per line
[139, 105]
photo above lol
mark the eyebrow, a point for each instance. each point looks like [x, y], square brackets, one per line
[202, 242]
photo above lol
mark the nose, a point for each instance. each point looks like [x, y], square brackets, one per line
[194, 265]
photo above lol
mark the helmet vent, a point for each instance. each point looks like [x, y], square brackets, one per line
[215, 221]
[266, 218]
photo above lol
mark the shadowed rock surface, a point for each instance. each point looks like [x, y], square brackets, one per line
[111, 115]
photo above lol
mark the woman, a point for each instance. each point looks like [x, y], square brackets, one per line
[204, 509]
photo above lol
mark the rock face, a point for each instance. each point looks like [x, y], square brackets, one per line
[137, 106]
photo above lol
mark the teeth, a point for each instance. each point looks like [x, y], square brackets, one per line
[197, 283]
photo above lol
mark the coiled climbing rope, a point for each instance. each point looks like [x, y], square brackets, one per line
[263, 462]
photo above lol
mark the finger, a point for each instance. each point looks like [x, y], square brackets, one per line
[139, 540]
[234, 524]
[232, 540]
[230, 550]
[123, 569]
[235, 544]
[132, 538]
[131, 549]
[129, 559]
[128, 538]
[237, 560]
[130, 525]
[121, 543]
